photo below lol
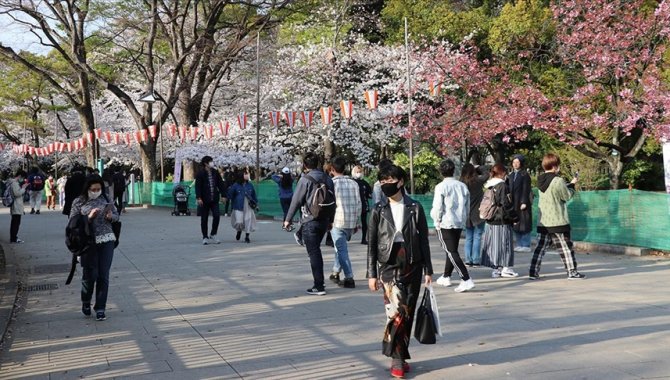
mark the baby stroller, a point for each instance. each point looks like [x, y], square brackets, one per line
[181, 195]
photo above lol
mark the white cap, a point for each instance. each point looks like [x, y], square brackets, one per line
[286, 170]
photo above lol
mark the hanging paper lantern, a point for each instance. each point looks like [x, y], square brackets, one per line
[138, 136]
[70, 148]
[117, 138]
[275, 116]
[108, 137]
[209, 132]
[347, 107]
[50, 148]
[224, 127]
[242, 120]
[372, 99]
[290, 117]
[434, 88]
[182, 132]
[194, 133]
[307, 118]
[172, 131]
[61, 146]
[326, 115]
[98, 133]
[152, 131]
[128, 137]
[89, 138]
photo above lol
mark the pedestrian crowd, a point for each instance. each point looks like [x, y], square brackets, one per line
[491, 206]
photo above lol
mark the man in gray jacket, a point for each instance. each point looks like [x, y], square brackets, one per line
[313, 229]
[18, 188]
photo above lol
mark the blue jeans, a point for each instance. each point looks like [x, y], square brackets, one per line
[285, 205]
[522, 239]
[473, 241]
[96, 264]
[340, 238]
[312, 234]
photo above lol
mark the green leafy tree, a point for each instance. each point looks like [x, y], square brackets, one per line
[426, 174]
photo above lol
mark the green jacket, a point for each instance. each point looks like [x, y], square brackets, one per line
[554, 194]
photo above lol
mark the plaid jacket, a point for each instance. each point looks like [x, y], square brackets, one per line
[348, 201]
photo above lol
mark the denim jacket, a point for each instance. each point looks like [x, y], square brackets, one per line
[451, 204]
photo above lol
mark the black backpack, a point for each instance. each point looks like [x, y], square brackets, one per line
[79, 236]
[321, 202]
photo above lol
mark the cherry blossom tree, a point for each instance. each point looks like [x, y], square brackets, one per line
[618, 99]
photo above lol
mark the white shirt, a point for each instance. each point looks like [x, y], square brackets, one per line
[398, 212]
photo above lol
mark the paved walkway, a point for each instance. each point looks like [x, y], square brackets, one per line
[180, 310]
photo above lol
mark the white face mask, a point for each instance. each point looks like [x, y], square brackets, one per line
[357, 175]
[211, 164]
[94, 194]
[246, 177]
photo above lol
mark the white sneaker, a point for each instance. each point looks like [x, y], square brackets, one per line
[444, 281]
[522, 249]
[509, 273]
[205, 241]
[214, 240]
[464, 286]
[495, 273]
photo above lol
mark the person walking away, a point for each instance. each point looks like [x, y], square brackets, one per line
[243, 201]
[50, 192]
[35, 188]
[119, 181]
[284, 182]
[398, 258]
[345, 224]
[208, 189]
[60, 187]
[74, 185]
[312, 228]
[228, 179]
[474, 179]
[497, 244]
[377, 194]
[365, 193]
[553, 222]
[518, 183]
[18, 188]
[97, 261]
[451, 207]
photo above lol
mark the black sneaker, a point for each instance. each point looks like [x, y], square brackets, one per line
[86, 309]
[32, 211]
[247, 240]
[347, 283]
[100, 316]
[364, 242]
[238, 235]
[316, 292]
[534, 278]
[574, 275]
[334, 277]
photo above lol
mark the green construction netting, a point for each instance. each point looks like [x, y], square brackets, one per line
[621, 217]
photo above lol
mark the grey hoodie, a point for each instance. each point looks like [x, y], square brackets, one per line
[302, 193]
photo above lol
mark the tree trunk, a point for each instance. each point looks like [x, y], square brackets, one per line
[188, 174]
[328, 148]
[87, 122]
[148, 155]
[616, 167]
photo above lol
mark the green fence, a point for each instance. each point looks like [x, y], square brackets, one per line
[621, 217]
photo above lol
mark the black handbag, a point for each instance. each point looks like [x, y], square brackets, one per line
[425, 330]
[116, 227]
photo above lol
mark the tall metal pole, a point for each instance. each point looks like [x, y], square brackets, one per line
[258, 108]
[159, 125]
[409, 114]
[55, 140]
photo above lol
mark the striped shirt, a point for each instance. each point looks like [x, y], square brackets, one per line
[348, 201]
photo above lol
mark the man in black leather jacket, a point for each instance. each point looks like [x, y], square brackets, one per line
[398, 258]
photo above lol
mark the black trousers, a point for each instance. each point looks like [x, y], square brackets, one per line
[204, 216]
[364, 224]
[14, 228]
[449, 242]
[118, 200]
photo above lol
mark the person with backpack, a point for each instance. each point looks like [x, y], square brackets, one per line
[314, 196]
[498, 211]
[553, 224]
[284, 182]
[451, 206]
[474, 179]
[345, 224]
[97, 260]
[243, 200]
[209, 187]
[518, 183]
[398, 261]
[365, 191]
[13, 198]
[35, 188]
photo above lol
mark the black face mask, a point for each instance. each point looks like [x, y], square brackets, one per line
[390, 189]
